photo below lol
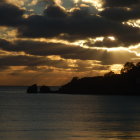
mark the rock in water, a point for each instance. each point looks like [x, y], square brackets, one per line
[32, 89]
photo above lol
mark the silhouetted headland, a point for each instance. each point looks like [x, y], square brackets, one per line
[125, 83]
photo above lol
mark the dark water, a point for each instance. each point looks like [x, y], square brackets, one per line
[68, 117]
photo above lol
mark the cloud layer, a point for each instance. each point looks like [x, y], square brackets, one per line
[80, 24]
[63, 25]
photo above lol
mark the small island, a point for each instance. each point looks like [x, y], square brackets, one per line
[34, 89]
[125, 83]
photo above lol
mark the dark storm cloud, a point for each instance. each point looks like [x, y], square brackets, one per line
[79, 24]
[121, 10]
[67, 52]
[121, 3]
[30, 61]
[10, 15]
[20, 61]
[38, 59]
[45, 49]
[121, 14]
[55, 12]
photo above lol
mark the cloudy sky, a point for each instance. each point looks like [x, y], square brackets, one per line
[50, 41]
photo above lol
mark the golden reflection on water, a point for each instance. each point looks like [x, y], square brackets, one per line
[69, 117]
[107, 118]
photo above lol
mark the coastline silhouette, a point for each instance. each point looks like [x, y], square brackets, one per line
[125, 83]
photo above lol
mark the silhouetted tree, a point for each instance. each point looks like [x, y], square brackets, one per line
[125, 83]
[74, 79]
[138, 65]
[127, 67]
[109, 74]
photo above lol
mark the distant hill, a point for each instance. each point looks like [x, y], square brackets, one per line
[126, 83]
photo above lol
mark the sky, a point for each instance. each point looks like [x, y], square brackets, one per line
[50, 41]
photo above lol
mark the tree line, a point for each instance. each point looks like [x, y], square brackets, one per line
[125, 83]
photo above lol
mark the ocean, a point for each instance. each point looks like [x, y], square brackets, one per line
[67, 117]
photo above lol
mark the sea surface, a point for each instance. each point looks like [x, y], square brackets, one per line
[67, 117]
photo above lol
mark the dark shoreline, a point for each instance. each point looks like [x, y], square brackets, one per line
[96, 94]
[127, 83]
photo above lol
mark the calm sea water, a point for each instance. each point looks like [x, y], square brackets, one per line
[67, 117]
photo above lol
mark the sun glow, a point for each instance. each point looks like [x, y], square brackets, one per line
[135, 49]
[117, 49]
[19, 3]
[54, 57]
[116, 68]
[79, 43]
[96, 3]
[112, 38]
[133, 23]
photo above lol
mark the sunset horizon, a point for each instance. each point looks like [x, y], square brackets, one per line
[70, 69]
[48, 42]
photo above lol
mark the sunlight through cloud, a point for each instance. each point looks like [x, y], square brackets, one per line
[116, 68]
